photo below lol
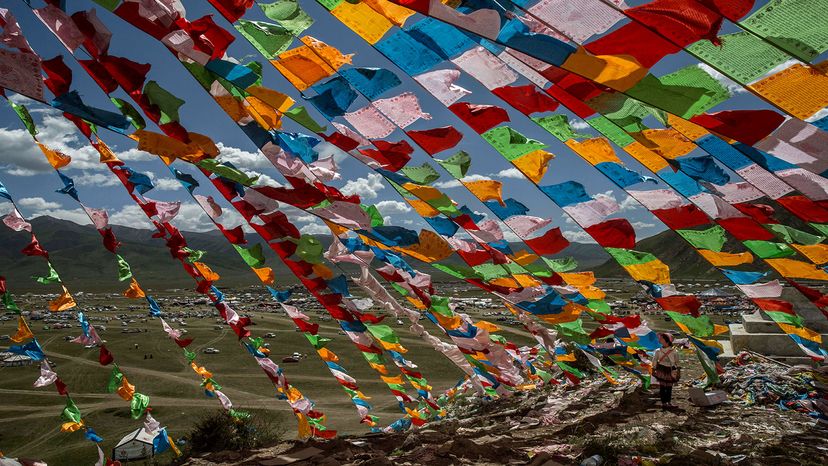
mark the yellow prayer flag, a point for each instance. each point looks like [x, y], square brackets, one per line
[690, 130]
[799, 90]
[363, 20]
[668, 143]
[393, 12]
[817, 253]
[327, 355]
[393, 380]
[71, 426]
[423, 208]
[486, 190]
[126, 391]
[232, 106]
[106, 154]
[620, 72]
[431, 247]
[276, 100]
[524, 257]
[266, 116]
[790, 268]
[487, 326]
[595, 150]
[654, 271]
[646, 157]
[726, 259]
[534, 164]
[323, 271]
[803, 332]
[578, 278]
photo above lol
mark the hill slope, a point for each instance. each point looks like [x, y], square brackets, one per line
[77, 254]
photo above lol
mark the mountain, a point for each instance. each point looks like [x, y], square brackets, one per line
[84, 264]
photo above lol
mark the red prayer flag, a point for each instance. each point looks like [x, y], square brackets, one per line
[436, 139]
[614, 233]
[480, 117]
[550, 242]
[747, 126]
[526, 99]
[745, 229]
[59, 76]
[805, 208]
[105, 357]
[685, 216]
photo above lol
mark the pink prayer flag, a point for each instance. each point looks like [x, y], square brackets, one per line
[403, 109]
[486, 68]
[441, 85]
[16, 222]
[369, 122]
[61, 25]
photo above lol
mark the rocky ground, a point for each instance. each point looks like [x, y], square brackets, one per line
[624, 424]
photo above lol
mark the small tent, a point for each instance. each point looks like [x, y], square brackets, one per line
[135, 446]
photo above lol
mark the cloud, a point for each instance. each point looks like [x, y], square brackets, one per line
[20, 157]
[38, 203]
[167, 184]
[392, 207]
[314, 229]
[456, 183]
[643, 225]
[578, 236]
[95, 179]
[578, 124]
[366, 188]
[509, 173]
[629, 203]
[242, 158]
[729, 84]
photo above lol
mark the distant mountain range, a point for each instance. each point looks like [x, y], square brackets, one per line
[79, 257]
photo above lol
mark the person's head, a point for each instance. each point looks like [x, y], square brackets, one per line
[665, 339]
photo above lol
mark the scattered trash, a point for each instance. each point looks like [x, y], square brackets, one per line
[699, 397]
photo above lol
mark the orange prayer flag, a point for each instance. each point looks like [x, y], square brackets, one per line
[486, 190]
[206, 271]
[134, 291]
[107, 156]
[646, 157]
[56, 159]
[799, 90]
[126, 391]
[667, 143]
[595, 150]
[620, 72]
[265, 274]
[790, 268]
[726, 259]
[63, 302]
[23, 331]
[534, 164]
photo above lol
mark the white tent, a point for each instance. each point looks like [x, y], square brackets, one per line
[134, 446]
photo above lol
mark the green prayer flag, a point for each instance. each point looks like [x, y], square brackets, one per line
[629, 256]
[254, 257]
[268, 38]
[138, 405]
[611, 131]
[373, 357]
[566, 367]
[558, 126]
[564, 264]
[71, 413]
[232, 174]
[621, 110]
[384, 333]
[797, 26]
[709, 368]
[129, 112]
[255, 67]
[124, 271]
[309, 249]
[712, 238]
[820, 227]
[700, 326]
[687, 92]
[785, 318]
[330, 4]
[440, 305]
[289, 14]
[53, 276]
[402, 291]
[599, 305]
[317, 341]
[374, 213]
[573, 331]
[300, 115]
[457, 165]
[510, 143]
[457, 271]
[742, 56]
[538, 270]
[424, 174]
[167, 103]
[24, 115]
[240, 415]
[491, 271]
[8, 302]
[108, 4]
[116, 377]
[193, 255]
[190, 355]
[792, 235]
[769, 249]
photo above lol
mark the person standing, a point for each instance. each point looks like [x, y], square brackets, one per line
[666, 369]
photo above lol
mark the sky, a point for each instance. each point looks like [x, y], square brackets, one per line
[32, 181]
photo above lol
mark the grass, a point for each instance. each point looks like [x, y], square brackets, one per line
[29, 417]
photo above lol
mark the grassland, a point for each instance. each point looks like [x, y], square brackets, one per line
[29, 417]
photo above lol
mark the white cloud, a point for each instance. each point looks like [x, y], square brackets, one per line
[392, 207]
[456, 183]
[18, 154]
[509, 173]
[643, 225]
[242, 158]
[731, 85]
[38, 203]
[167, 184]
[629, 203]
[95, 179]
[578, 236]
[578, 124]
[366, 188]
[314, 229]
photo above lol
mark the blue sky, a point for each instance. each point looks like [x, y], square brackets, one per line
[30, 179]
